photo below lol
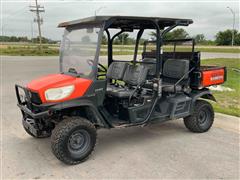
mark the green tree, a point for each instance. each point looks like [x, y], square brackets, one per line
[44, 40]
[13, 39]
[199, 38]
[237, 39]
[142, 40]
[225, 37]
[179, 33]
[123, 38]
[153, 34]
[104, 40]
[23, 39]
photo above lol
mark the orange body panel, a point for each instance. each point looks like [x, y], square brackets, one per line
[212, 77]
[40, 85]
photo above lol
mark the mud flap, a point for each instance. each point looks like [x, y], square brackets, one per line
[31, 126]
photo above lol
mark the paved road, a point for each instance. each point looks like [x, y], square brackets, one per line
[204, 55]
[209, 55]
[165, 150]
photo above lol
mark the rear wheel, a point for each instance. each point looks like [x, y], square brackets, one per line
[202, 118]
[73, 140]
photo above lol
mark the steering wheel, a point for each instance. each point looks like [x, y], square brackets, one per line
[102, 68]
[102, 71]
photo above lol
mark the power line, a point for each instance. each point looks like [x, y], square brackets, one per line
[38, 9]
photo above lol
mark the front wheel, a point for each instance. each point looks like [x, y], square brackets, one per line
[73, 140]
[202, 118]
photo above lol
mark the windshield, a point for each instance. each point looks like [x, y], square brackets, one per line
[78, 51]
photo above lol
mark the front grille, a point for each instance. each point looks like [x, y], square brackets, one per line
[26, 97]
[35, 98]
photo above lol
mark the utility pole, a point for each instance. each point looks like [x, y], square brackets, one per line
[31, 30]
[233, 27]
[38, 9]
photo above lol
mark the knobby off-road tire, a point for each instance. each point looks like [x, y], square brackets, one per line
[73, 140]
[45, 135]
[202, 118]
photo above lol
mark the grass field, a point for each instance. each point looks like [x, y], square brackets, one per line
[219, 49]
[53, 49]
[228, 102]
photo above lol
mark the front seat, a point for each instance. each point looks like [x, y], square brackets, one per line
[173, 71]
[134, 77]
[150, 64]
[115, 72]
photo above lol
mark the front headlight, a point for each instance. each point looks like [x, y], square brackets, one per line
[59, 93]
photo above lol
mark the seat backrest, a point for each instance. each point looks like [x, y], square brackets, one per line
[135, 75]
[176, 68]
[116, 70]
[150, 63]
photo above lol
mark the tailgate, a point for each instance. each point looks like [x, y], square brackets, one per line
[209, 76]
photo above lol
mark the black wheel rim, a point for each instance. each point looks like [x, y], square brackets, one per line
[79, 142]
[203, 116]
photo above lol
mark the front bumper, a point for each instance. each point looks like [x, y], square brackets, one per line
[33, 115]
[28, 108]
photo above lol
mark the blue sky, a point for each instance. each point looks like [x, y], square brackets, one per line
[209, 16]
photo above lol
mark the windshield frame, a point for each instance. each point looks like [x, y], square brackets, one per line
[93, 73]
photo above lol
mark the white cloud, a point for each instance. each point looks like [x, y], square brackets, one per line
[209, 17]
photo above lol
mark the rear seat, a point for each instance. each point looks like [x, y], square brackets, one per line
[173, 71]
[150, 63]
[134, 76]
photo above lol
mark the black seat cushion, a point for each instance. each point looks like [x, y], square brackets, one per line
[113, 87]
[120, 92]
[116, 70]
[176, 68]
[173, 71]
[168, 87]
[150, 63]
[135, 75]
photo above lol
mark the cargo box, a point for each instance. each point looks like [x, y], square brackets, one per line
[208, 76]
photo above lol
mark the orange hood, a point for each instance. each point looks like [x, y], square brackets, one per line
[40, 85]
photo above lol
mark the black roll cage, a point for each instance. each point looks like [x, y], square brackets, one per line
[159, 42]
[129, 23]
[174, 41]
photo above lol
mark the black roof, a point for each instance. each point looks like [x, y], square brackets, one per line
[134, 22]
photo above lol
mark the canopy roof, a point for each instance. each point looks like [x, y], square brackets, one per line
[133, 22]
